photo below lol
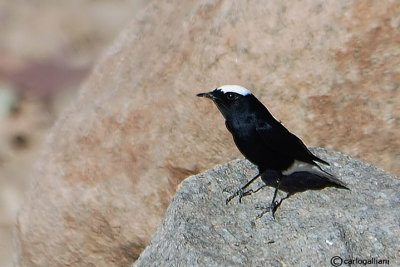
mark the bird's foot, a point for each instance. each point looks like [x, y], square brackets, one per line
[239, 193]
[271, 208]
[251, 191]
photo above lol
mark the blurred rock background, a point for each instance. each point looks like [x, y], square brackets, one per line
[336, 70]
[47, 48]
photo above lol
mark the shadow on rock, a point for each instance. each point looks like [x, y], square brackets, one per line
[298, 182]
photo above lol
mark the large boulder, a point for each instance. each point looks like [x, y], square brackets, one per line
[113, 160]
[311, 228]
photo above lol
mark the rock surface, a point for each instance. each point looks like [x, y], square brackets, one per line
[310, 227]
[113, 160]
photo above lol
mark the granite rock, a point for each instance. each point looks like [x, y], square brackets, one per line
[310, 227]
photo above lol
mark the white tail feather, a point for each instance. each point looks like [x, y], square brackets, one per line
[300, 166]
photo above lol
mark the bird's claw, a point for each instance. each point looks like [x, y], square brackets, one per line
[237, 193]
[273, 207]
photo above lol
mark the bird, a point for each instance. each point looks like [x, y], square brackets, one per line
[264, 141]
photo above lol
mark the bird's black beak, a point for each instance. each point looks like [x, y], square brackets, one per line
[208, 95]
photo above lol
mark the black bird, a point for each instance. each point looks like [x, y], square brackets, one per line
[263, 140]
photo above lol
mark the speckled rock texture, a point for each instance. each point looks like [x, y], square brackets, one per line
[310, 228]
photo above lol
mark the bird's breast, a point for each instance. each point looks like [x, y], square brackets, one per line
[252, 145]
[241, 129]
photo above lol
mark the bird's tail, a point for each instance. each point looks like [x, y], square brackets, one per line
[330, 177]
[315, 158]
[314, 168]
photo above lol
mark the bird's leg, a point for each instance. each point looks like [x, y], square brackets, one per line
[278, 203]
[274, 204]
[241, 192]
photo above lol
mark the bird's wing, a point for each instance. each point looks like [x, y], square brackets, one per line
[279, 139]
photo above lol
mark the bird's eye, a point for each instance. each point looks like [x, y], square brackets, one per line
[230, 96]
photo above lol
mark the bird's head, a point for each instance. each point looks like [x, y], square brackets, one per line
[229, 98]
